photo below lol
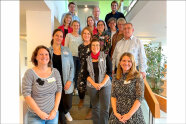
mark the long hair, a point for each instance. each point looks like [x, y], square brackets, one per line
[88, 29]
[133, 73]
[92, 19]
[66, 16]
[54, 32]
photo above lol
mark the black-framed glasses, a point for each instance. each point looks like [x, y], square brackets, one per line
[40, 82]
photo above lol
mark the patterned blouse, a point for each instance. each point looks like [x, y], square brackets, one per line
[105, 41]
[126, 93]
[83, 53]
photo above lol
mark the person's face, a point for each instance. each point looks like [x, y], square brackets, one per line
[72, 8]
[57, 38]
[42, 57]
[96, 12]
[86, 35]
[95, 47]
[100, 27]
[68, 20]
[125, 64]
[114, 7]
[112, 25]
[120, 26]
[128, 30]
[90, 22]
[75, 26]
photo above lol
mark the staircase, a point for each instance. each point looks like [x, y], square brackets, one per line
[79, 115]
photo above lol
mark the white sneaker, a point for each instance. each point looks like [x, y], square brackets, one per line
[76, 92]
[68, 117]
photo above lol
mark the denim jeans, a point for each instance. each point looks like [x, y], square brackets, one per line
[31, 118]
[76, 69]
[100, 100]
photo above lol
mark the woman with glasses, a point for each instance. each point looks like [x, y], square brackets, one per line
[98, 71]
[41, 88]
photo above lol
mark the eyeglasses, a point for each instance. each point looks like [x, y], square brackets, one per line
[40, 82]
[100, 24]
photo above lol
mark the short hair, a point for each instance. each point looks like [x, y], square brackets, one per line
[103, 23]
[114, 2]
[92, 19]
[90, 31]
[121, 20]
[94, 40]
[133, 73]
[111, 19]
[129, 24]
[74, 22]
[34, 55]
[54, 32]
[71, 3]
[67, 15]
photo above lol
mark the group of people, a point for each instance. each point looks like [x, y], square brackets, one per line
[104, 59]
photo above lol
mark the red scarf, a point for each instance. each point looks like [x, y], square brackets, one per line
[95, 56]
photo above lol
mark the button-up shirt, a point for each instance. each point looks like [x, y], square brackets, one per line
[134, 46]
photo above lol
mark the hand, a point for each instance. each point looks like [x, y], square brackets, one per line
[43, 115]
[118, 116]
[96, 86]
[125, 117]
[143, 74]
[100, 86]
[52, 115]
[67, 85]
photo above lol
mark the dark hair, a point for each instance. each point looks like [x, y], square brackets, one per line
[114, 2]
[92, 19]
[34, 55]
[105, 26]
[92, 41]
[90, 31]
[71, 3]
[54, 32]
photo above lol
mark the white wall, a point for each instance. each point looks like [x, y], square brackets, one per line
[38, 28]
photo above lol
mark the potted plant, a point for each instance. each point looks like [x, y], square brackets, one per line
[155, 63]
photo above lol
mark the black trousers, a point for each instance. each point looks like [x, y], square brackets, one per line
[64, 106]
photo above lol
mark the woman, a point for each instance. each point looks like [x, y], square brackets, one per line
[42, 88]
[83, 53]
[119, 34]
[98, 72]
[73, 40]
[112, 24]
[91, 24]
[62, 60]
[127, 93]
[103, 36]
[66, 26]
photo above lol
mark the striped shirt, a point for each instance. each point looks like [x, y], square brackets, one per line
[43, 95]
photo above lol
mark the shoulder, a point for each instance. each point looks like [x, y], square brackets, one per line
[29, 72]
[55, 71]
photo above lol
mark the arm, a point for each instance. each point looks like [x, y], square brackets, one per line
[113, 102]
[67, 40]
[142, 60]
[120, 4]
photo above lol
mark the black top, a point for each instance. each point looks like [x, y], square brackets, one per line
[116, 15]
[96, 69]
[57, 63]
[65, 32]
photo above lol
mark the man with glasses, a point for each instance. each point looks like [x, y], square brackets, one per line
[96, 13]
[114, 13]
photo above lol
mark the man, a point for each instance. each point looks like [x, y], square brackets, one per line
[133, 45]
[71, 8]
[114, 13]
[96, 13]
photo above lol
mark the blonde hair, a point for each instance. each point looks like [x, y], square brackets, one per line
[90, 31]
[66, 16]
[133, 73]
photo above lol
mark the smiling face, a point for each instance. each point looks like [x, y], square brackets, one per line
[68, 19]
[72, 8]
[75, 26]
[86, 35]
[42, 57]
[100, 26]
[114, 7]
[128, 31]
[90, 21]
[57, 38]
[95, 47]
[126, 64]
[96, 12]
[112, 25]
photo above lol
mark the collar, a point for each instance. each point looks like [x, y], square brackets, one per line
[71, 13]
[115, 13]
[131, 37]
